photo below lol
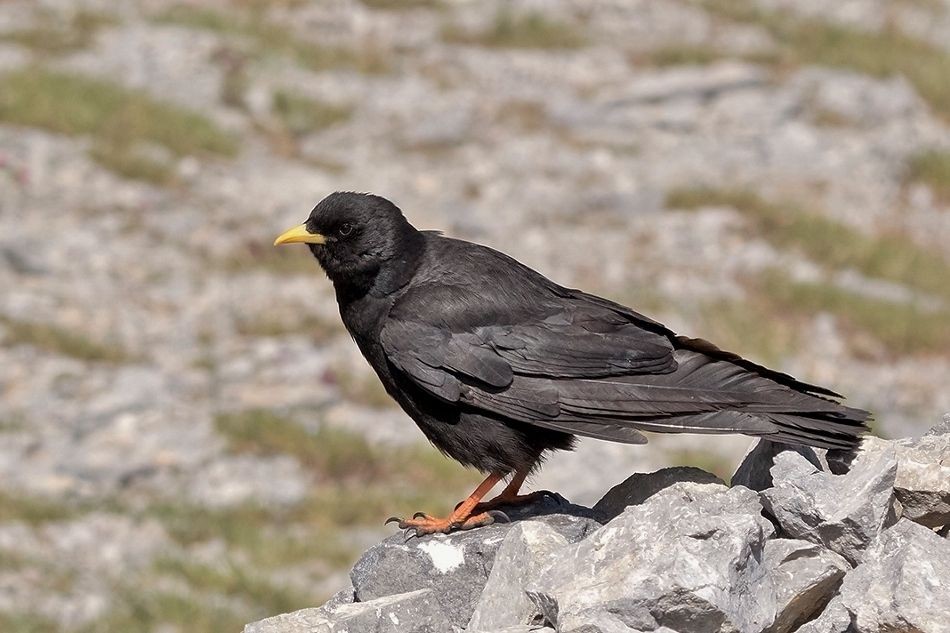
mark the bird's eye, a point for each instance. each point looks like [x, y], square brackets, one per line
[345, 229]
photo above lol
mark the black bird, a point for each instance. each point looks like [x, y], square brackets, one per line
[498, 365]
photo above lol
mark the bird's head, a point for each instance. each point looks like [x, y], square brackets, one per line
[360, 240]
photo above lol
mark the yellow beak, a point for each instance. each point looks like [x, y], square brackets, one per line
[299, 234]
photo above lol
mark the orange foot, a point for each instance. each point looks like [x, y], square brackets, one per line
[422, 524]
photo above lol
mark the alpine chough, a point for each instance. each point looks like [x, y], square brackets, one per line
[498, 365]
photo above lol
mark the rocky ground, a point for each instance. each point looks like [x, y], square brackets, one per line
[174, 393]
[802, 541]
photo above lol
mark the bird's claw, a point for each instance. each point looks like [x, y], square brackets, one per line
[499, 516]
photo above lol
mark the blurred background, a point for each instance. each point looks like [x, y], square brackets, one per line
[188, 439]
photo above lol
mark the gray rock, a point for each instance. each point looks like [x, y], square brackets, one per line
[943, 428]
[639, 487]
[527, 549]
[686, 559]
[801, 578]
[844, 513]
[411, 612]
[903, 585]
[922, 484]
[455, 566]
[755, 471]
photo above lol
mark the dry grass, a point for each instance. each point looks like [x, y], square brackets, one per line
[300, 115]
[511, 30]
[932, 168]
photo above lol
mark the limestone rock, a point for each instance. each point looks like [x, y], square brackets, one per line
[639, 487]
[455, 567]
[528, 548]
[801, 578]
[902, 585]
[755, 471]
[922, 484]
[686, 559]
[844, 513]
[411, 612]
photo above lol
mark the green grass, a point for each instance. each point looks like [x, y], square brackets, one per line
[681, 55]
[234, 580]
[932, 168]
[58, 35]
[902, 328]
[280, 323]
[329, 453]
[62, 341]
[528, 30]
[122, 122]
[34, 510]
[739, 326]
[402, 5]
[269, 38]
[833, 245]
[803, 40]
[136, 609]
[359, 485]
[279, 260]
[363, 388]
[24, 622]
[300, 115]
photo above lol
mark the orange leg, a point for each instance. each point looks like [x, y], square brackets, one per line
[462, 518]
[510, 497]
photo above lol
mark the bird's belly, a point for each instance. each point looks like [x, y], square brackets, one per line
[491, 445]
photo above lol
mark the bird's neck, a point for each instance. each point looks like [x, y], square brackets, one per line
[386, 278]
